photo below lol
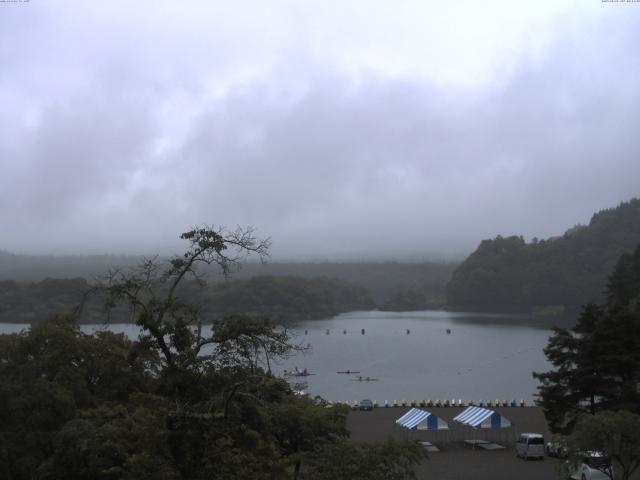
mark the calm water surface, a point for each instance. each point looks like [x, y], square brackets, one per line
[486, 356]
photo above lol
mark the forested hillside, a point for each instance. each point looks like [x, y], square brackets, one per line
[34, 268]
[596, 364]
[384, 280]
[547, 275]
[280, 298]
[422, 282]
[288, 297]
[34, 287]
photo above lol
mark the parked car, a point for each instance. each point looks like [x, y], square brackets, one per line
[593, 467]
[366, 404]
[555, 449]
[530, 445]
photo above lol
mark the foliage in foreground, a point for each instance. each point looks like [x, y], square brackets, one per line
[615, 434]
[180, 402]
[336, 460]
[597, 362]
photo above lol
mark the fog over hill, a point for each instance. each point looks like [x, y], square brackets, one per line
[547, 275]
[382, 280]
[438, 124]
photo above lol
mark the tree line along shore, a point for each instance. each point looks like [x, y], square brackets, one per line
[544, 277]
[182, 402]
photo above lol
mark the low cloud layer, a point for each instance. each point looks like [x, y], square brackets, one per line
[340, 133]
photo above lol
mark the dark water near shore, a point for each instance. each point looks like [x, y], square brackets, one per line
[486, 356]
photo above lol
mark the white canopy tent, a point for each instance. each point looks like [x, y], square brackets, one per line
[478, 417]
[417, 419]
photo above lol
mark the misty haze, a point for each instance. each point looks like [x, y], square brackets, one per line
[123, 125]
[310, 240]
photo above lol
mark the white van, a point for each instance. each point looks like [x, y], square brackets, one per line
[530, 445]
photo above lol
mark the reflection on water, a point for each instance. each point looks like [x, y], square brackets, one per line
[514, 320]
[485, 356]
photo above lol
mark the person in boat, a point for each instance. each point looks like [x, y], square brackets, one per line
[304, 372]
[367, 379]
[360, 378]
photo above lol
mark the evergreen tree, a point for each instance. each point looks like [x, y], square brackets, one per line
[561, 272]
[597, 362]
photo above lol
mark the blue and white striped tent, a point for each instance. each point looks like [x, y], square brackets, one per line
[416, 419]
[478, 417]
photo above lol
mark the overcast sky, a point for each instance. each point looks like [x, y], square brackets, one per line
[346, 129]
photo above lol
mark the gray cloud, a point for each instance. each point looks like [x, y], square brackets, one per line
[119, 143]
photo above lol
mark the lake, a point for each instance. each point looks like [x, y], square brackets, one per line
[486, 356]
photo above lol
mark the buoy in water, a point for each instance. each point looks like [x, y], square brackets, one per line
[327, 331]
[344, 332]
[306, 331]
[408, 331]
[363, 331]
[448, 331]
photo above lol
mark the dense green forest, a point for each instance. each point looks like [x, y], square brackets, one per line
[22, 302]
[287, 291]
[288, 297]
[596, 365]
[383, 280]
[281, 298]
[590, 396]
[177, 403]
[102, 406]
[547, 275]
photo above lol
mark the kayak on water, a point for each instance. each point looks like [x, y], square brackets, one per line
[365, 379]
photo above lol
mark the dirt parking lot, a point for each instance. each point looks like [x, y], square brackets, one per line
[455, 461]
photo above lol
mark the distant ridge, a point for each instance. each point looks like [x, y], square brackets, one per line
[38, 267]
[383, 279]
[546, 276]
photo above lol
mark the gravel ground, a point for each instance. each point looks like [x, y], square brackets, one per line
[456, 461]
